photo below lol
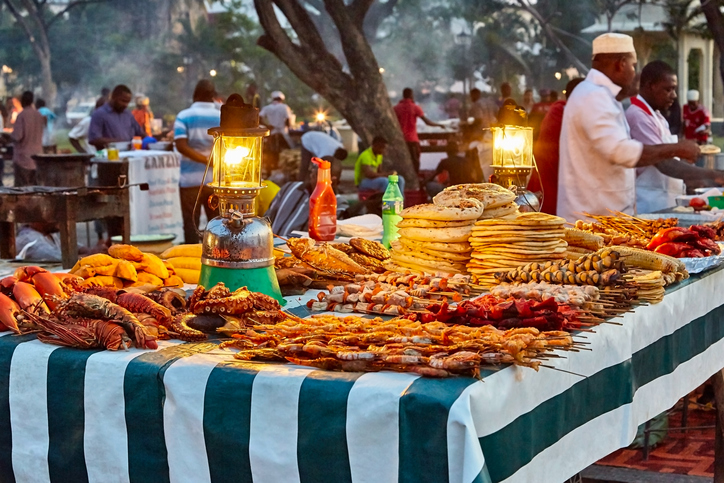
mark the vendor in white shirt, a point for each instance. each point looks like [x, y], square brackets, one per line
[658, 186]
[318, 144]
[597, 154]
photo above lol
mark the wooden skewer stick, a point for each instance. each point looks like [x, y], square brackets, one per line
[563, 370]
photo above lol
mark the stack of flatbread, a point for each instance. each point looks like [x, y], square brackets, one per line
[650, 285]
[498, 201]
[504, 244]
[434, 238]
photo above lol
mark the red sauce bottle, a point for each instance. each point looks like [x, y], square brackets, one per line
[323, 205]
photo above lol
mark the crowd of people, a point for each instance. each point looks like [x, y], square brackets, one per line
[594, 155]
[583, 158]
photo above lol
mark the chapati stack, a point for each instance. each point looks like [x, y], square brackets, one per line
[498, 201]
[650, 285]
[434, 238]
[504, 244]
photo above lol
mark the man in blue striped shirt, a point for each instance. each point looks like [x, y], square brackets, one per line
[195, 143]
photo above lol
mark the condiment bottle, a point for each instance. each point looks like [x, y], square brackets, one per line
[323, 204]
[137, 143]
[392, 205]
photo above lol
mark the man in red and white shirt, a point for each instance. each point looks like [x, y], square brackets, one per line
[407, 113]
[658, 186]
[697, 121]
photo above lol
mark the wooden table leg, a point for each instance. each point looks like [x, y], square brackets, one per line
[68, 234]
[126, 217]
[7, 240]
[719, 437]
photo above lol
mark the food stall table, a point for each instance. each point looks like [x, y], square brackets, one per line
[158, 210]
[37, 204]
[190, 412]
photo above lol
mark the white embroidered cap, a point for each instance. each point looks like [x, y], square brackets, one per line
[692, 95]
[613, 43]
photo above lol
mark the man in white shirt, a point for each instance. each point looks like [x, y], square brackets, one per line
[78, 136]
[278, 117]
[658, 186]
[318, 144]
[597, 154]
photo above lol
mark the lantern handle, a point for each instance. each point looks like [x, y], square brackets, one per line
[203, 181]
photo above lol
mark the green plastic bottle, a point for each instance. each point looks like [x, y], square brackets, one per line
[392, 205]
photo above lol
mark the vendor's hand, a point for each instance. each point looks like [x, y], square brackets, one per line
[687, 150]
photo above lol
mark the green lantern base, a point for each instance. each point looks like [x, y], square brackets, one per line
[262, 280]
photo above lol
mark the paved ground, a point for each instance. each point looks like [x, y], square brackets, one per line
[609, 474]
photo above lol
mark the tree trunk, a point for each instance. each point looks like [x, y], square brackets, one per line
[49, 88]
[715, 21]
[358, 92]
[38, 40]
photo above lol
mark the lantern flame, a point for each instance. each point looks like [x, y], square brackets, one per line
[234, 156]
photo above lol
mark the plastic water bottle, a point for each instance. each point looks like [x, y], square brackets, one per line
[392, 205]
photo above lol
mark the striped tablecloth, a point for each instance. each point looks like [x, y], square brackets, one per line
[190, 413]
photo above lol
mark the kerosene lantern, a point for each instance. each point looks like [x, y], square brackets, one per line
[238, 246]
[513, 154]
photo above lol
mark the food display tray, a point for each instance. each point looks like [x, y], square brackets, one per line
[698, 265]
[685, 219]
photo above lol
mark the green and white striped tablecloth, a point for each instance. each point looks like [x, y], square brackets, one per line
[188, 413]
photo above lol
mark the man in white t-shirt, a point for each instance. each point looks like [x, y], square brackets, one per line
[318, 144]
[278, 117]
[78, 136]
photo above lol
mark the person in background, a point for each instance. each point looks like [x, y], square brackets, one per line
[48, 133]
[528, 101]
[506, 91]
[658, 186]
[112, 122]
[697, 121]
[143, 115]
[43, 243]
[289, 210]
[318, 144]
[367, 174]
[28, 138]
[278, 117]
[407, 113]
[553, 96]
[252, 95]
[14, 108]
[546, 153]
[673, 117]
[455, 169]
[195, 144]
[452, 107]
[78, 136]
[597, 154]
[483, 110]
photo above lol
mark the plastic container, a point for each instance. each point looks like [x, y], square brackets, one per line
[137, 143]
[323, 205]
[716, 201]
[392, 206]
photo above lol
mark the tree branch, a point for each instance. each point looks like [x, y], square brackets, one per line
[317, 68]
[71, 6]
[361, 61]
[552, 35]
[21, 20]
[358, 10]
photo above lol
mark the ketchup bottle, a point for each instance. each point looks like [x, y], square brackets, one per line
[323, 205]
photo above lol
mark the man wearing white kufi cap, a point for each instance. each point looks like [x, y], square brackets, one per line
[278, 117]
[597, 154]
[697, 121]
